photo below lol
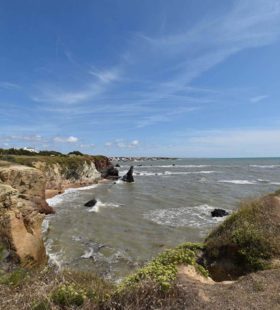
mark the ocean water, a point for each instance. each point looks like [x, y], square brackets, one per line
[169, 203]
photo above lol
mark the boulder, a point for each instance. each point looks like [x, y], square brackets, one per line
[111, 173]
[118, 166]
[91, 203]
[219, 213]
[129, 176]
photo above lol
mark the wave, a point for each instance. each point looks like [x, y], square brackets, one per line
[239, 182]
[68, 193]
[196, 217]
[96, 208]
[88, 254]
[168, 166]
[45, 225]
[165, 173]
[54, 259]
[249, 182]
[265, 166]
[274, 183]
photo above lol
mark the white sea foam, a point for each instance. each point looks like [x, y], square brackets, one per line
[274, 183]
[197, 216]
[263, 181]
[88, 253]
[45, 225]
[148, 173]
[99, 204]
[238, 182]
[54, 258]
[265, 166]
[168, 166]
[68, 193]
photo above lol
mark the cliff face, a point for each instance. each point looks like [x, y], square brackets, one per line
[30, 184]
[21, 201]
[59, 176]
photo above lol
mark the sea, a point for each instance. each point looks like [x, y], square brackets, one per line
[169, 203]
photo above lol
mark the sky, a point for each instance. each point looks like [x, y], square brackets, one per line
[180, 78]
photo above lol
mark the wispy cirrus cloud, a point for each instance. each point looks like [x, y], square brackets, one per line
[9, 86]
[53, 94]
[258, 98]
[155, 75]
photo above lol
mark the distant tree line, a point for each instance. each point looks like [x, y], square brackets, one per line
[13, 151]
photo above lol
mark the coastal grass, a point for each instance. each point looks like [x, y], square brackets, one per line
[163, 269]
[49, 289]
[249, 239]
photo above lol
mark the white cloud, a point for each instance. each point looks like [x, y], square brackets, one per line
[106, 76]
[122, 144]
[28, 138]
[70, 139]
[230, 142]
[258, 98]
[86, 146]
[9, 85]
[54, 94]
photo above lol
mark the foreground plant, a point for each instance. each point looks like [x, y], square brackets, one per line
[163, 269]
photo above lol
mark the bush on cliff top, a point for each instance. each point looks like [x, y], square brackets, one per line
[249, 238]
[163, 269]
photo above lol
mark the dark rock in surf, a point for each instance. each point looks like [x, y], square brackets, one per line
[129, 176]
[219, 213]
[91, 203]
[117, 166]
[111, 173]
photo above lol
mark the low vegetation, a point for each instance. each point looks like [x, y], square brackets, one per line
[71, 164]
[249, 239]
[162, 270]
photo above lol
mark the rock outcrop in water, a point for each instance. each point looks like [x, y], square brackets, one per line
[110, 173]
[219, 213]
[128, 177]
[91, 203]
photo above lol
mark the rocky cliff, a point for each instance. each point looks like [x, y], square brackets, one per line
[59, 176]
[23, 204]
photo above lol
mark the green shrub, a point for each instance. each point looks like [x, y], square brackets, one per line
[41, 305]
[68, 295]
[249, 238]
[14, 278]
[163, 269]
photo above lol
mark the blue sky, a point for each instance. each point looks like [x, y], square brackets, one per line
[187, 78]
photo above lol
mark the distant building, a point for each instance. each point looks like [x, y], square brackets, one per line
[30, 149]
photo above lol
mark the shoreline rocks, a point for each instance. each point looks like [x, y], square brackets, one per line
[110, 173]
[219, 213]
[91, 203]
[128, 177]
